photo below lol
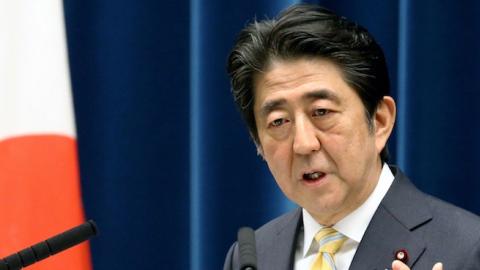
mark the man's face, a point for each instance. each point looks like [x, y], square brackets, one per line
[314, 135]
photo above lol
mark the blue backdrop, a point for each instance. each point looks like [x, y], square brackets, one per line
[167, 168]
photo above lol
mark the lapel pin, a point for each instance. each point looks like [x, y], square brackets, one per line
[401, 255]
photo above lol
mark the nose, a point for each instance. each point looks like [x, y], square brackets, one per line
[305, 138]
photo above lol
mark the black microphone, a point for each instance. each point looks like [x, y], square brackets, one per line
[246, 249]
[49, 247]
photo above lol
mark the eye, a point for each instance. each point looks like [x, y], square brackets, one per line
[320, 112]
[278, 122]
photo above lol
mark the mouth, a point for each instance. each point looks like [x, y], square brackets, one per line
[313, 177]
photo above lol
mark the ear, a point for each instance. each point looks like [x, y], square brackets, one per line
[257, 145]
[384, 121]
[260, 152]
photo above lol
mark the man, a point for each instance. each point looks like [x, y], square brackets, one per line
[313, 89]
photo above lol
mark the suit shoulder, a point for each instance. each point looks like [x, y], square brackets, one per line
[415, 208]
[454, 218]
[287, 221]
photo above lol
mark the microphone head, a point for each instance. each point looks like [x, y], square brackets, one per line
[246, 248]
[93, 227]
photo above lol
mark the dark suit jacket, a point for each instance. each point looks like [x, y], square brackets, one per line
[429, 230]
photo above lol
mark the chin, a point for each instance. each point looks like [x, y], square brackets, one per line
[325, 207]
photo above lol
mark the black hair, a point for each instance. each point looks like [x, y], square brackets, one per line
[308, 31]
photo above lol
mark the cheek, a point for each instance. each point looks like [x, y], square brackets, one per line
[272, 148]
[348, 148]
[337, 146]
[278, 156]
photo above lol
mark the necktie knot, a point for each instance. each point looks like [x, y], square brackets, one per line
[329, 240]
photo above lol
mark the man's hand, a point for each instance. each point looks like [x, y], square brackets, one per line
[398, 265]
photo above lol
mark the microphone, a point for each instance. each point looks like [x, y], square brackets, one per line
[49, 247]
[246, 249]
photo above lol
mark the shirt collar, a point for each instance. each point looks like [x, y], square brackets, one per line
[354, 224]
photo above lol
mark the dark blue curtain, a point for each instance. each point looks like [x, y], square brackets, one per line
[167, 168]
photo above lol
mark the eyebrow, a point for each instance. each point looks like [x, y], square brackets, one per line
[271, 106]
[322, 94]
[325, 94]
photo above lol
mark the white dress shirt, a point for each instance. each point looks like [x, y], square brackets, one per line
[353, 226]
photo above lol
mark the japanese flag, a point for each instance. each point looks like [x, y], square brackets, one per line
[40, 192]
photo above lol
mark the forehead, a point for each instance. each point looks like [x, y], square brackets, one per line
[300, 79]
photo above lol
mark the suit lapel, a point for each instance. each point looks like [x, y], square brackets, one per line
[280, 253]
[393, 227]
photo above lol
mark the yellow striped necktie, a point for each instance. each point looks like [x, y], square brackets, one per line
[329, 241]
